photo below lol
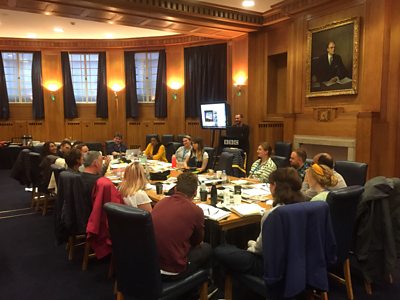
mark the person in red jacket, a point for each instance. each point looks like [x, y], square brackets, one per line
[179, 231]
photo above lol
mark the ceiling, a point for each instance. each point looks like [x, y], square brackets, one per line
[19, 24]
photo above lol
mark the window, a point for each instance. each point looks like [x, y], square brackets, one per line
[146, 76]
[84, 68]
[18, 72]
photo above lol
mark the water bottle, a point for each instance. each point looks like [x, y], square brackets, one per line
[173, 161]
[214, 195]
[224, 177]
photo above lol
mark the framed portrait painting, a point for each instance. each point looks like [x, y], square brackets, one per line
[332, 59]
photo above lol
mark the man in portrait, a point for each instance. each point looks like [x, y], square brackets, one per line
[329, 68]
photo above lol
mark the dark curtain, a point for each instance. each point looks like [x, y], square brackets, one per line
[132, 106]
[161, 86]
[37, 87]
[205, 77]
[70, 110]
[4, 107]
[102, 99]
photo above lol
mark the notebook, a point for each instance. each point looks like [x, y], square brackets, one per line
[213, 213]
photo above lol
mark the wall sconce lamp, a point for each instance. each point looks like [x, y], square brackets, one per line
[175, 85]
[116, 87]
[239, 83]
[53, 87]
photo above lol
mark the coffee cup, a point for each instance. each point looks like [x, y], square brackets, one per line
[219, 174]
[203, 195]
[159, 188]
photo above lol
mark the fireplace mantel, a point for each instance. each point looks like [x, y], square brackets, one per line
[337, 146]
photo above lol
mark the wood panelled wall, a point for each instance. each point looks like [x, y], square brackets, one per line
[371, 117]
[87, 126]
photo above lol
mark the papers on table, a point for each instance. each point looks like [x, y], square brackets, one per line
[247, 209]
[240, 182]
[118, 165]
[259, 190]
[156, 166]
[213, 213]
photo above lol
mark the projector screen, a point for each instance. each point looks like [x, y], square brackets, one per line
[215, 115]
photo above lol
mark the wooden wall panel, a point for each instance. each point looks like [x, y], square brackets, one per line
[73, 130]
[54, 110]
[193, 128]
[175, 73]
[37, 130]
[133, 136]
[7, 131]
[21, 128]
[240, 55]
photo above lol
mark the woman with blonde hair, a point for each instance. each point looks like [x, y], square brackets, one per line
[133, 185]
[320, 178]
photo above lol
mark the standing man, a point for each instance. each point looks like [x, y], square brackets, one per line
[239, 123]
[298, 161]
[179, 231]
[116, 147]
[330, 66]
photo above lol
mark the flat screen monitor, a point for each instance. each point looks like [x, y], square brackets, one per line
[215, 115]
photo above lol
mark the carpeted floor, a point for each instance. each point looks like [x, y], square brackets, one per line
[33, 267]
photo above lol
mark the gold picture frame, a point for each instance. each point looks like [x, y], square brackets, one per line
[333, 72]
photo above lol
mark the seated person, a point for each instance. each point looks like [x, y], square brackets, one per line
[155, 150]
[49, 148]
[285, 185]
[184, 150]
[320, 178]
[263, 166]
[65, 147]
[298, 161]
[81, 146]
[92, 170]
[197, 158]
[74, 160]
[133, 185]
[116, 147]
[327, 160]
[179, 231]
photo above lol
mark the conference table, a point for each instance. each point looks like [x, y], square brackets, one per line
[232, 221]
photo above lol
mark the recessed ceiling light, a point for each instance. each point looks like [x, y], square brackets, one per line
[248, 3]
[58, 29]
[31, 35]
[110, 22]
[47, 13]
[108, 35]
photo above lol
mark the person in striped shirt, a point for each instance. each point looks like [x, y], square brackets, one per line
[264, 165]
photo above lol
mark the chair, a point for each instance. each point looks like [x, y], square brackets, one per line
[149, 136]
[166, 139]
[283, 149]
[72, 212]
[106, 146]
[40, 196]
[354, 173]
[298, 246]
[280, 161]
[136, 259]
[170, 149]
[225, 162]
[179, 138]
[343, 208]
[95, 146]
[239, 161]
[211, 157]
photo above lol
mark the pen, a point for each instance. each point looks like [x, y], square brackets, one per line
[208, 211]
